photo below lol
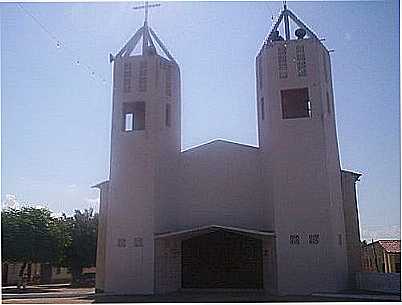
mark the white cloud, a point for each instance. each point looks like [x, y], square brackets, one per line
[381, 232]
[72, 187]
[93, 202]
[11, 202]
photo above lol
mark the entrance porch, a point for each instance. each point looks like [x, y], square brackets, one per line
[215, 257]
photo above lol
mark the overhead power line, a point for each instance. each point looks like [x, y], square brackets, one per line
[61, 45]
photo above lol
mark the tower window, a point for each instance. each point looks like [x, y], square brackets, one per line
[328, 103]
[260, 71]
[129, 122]
[168, 80]
[127, 77]
[295, 103]
[133, 116]
[282, 63]
[300, 61]
[325, 66]
[127, 85]
[142, 84]
[262, 109]
[167, 115]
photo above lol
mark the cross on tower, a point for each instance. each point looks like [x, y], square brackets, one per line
[146, 6]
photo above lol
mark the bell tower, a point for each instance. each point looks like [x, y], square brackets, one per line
[298, 142]
[145, 147]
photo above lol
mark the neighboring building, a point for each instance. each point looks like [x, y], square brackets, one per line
[280, 217]
[382, 256]
[38, 273]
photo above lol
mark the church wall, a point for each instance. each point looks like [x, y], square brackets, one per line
[303, 174]
[142, 161]
[101, 241]
[352, 238]
[130, 268]
[336, 212]
[167, 171]
[221, 183]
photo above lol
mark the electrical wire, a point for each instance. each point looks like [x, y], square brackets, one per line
[61, 45]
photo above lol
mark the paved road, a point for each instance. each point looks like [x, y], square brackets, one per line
[86, 295]
[47, 294]
[84, 300]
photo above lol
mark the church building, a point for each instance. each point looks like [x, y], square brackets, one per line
[281, 217]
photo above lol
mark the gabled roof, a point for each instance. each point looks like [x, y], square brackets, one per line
[391, 246]
[355, 176]
[217, 141]
[212, 228]
[100, 184]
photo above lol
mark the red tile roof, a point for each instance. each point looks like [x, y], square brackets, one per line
[392, 246]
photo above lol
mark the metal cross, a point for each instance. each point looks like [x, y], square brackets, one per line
[146, 6]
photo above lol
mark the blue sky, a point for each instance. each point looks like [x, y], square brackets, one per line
[55, 118]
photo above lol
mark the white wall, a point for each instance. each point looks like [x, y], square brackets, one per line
[222, 184]
[142, 161]
[305, 174]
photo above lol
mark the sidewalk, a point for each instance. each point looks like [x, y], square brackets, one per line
[361, 296]
[45, 291]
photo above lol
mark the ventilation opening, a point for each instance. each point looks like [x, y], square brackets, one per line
[133, 116]
[127, 78]
[295, 103]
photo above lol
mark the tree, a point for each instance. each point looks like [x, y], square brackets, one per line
[32, 235]
[81, 252]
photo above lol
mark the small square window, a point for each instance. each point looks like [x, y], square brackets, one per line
[314, 239]
[121, 242]
[295, 103]
[138, 242]
[294, 239]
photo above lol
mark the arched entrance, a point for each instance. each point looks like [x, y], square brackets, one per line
[222, 259]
